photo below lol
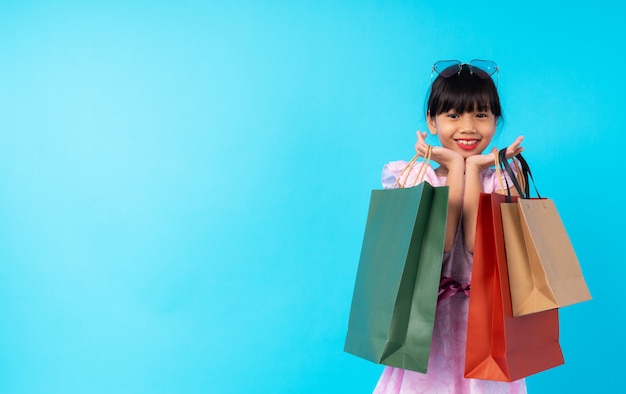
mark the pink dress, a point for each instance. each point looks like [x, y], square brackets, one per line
[447, 352]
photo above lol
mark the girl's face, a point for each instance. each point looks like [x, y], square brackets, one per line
[467, 133]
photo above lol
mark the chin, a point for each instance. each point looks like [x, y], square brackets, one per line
[473, 152]
[465, 154]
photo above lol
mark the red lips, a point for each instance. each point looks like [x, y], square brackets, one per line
[466, 144]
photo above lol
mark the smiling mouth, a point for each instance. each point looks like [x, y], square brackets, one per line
[467, 144]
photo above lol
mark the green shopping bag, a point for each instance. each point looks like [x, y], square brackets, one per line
[397, 284]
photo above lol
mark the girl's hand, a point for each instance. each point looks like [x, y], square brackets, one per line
[515, 148]
[484, 161]
[481, 162]
[445, 157]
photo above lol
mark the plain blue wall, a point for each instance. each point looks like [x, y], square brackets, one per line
[184, 185]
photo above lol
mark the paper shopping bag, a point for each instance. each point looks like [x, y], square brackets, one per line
[397, 283]
[544, 271]
[500, 346]
[529, 293]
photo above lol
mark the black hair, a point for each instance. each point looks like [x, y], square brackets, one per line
[463, 91]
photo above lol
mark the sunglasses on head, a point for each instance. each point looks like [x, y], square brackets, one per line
[481, 68]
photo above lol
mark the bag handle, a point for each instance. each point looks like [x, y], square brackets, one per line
[499, 173]
[521, 184]
[501, 180]
[421, 172]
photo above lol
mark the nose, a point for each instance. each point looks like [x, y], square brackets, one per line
[467, 123]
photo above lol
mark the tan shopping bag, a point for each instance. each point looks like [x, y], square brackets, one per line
[544, 271]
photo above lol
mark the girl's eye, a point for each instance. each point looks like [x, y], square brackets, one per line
[453, 115]
[481, 115]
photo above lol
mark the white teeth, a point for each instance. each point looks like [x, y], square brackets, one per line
[466, 142]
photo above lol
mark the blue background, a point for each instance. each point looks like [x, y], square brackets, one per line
[184, 185]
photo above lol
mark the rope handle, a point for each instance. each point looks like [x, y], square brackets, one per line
[499, 173]
[410, 165]
[519, 177]
[519, 174]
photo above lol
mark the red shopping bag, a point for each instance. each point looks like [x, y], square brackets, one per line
[500, 346]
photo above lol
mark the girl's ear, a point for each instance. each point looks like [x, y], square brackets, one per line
[432, 126]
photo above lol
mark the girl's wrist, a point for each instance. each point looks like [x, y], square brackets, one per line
[475, 166]
[455, 166]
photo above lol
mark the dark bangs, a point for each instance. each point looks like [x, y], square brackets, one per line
[464, 92]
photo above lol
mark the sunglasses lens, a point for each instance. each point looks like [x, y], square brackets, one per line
[447, 68]
[483, 68]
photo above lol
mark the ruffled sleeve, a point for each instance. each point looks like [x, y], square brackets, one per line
[395, 169]
[391, 172]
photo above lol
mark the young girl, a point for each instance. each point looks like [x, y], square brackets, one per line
[462, 112]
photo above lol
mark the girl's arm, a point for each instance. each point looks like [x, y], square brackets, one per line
[473, 187]
[453, 166]
[474, 165]
[457, 183]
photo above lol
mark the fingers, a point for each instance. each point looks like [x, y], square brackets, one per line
[421, 136]
[515, 148]
[492, 155]
[421, 147]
